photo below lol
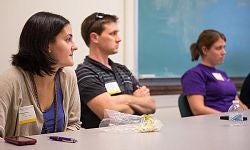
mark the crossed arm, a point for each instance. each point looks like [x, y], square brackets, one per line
[140, 102]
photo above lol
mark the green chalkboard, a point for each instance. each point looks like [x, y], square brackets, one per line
[166, 28]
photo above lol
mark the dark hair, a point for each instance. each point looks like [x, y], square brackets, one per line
[94, 23]
[207, 38]
[40, 30]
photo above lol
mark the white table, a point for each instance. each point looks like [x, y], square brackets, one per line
[194, 133]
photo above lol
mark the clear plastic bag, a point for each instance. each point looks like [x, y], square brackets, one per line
[121, 122]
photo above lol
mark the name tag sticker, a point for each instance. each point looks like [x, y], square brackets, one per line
[27, 114]
[112, 88]
[218, 76]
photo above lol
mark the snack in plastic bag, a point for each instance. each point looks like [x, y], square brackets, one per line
[112, 118]
[148, 124]
[121, 122]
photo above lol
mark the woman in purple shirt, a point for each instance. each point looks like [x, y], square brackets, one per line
[208, 89]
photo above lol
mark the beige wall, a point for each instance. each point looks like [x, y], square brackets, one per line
[14, 13]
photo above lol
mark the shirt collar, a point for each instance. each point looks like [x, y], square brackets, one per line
[96, 63]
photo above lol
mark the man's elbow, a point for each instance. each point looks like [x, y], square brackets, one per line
[152, 108]
[152, 111]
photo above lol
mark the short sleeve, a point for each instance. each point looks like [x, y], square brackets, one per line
[193, 82]
[90, 86]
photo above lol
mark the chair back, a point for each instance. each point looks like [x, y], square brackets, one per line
[184, 108]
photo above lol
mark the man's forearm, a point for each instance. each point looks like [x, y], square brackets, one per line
[143, 105]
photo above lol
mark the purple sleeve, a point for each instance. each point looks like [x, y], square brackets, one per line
[193, 82]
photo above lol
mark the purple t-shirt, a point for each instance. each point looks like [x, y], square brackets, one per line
[213, 84]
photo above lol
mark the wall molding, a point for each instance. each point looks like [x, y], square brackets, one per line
[170, 86]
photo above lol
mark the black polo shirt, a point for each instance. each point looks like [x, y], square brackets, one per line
[92, 77]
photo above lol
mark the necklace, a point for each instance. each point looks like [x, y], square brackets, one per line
[39, 106]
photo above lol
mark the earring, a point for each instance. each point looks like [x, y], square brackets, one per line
[49, 51]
